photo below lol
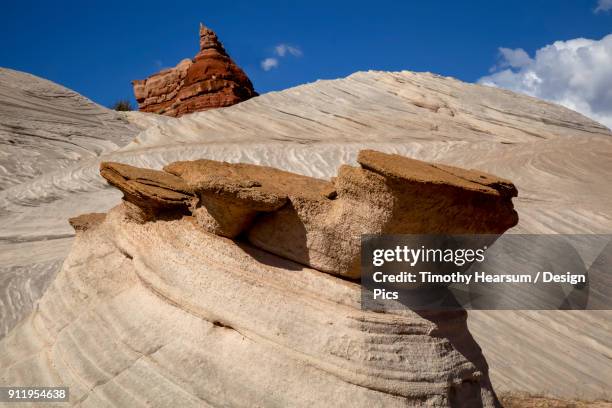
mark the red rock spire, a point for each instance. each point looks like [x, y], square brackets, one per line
[210, 80]
[209, 40]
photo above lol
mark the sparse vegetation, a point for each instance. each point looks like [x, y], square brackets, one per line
[122, 105]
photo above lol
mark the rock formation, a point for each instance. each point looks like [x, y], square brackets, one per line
[316, 222]
[211, 80]
[153, 295]
[168, 313]
[121, 333]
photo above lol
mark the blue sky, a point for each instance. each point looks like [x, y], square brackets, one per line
[97, 48]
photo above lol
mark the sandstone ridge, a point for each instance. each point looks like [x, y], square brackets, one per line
[211, 80]
[316, 222]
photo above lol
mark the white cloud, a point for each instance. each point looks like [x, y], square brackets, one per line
[575, 73]
[282, 49]
[269, 63]
[517, 58]
[603, 5]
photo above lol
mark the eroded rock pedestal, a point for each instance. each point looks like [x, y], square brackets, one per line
[156, 303]
[211, 80]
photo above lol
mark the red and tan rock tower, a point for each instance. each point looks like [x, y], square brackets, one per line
[211, 80]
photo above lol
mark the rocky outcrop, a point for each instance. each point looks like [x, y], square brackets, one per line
[211, 80]
[556, 157]
[150, 192]
[316, 222]
[154, 293]
[168, 313]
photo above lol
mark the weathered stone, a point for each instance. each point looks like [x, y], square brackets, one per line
[231, 195]
[209, 321]
[211, 80]
[398, 196]
[84, 222]
[152, 191]
[320, 223]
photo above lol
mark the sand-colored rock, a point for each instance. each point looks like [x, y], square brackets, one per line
[85, 222]
[45, 127]
[400, 196]
[211, 80]
[152, 191]
[558, 159]
[316, 222]
[231, 195]
[166, 311]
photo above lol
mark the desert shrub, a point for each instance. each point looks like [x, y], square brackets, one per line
[122, 105]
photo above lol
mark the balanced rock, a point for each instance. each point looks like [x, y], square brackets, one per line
[211, 80]
[317, 222]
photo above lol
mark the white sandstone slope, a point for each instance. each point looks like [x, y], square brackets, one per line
[560, 161]
[45, 127]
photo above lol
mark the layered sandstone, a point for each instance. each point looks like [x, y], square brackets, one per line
[154, 295]
[316, 222]
[210, 80]
[167, 313]
[556, 157]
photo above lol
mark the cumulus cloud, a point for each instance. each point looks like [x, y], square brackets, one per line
[269, 63]
[517, 58]
[280, 51]
[603, 5]
[575, 73]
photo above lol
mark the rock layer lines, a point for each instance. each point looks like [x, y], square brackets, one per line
[556, 157]
[211, 80]
[208, 321]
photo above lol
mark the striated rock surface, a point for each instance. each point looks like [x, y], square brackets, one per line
[316, 222]
[45, 127]
[148, 296]
[211, 80]
[557, 158]
[168, 312]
